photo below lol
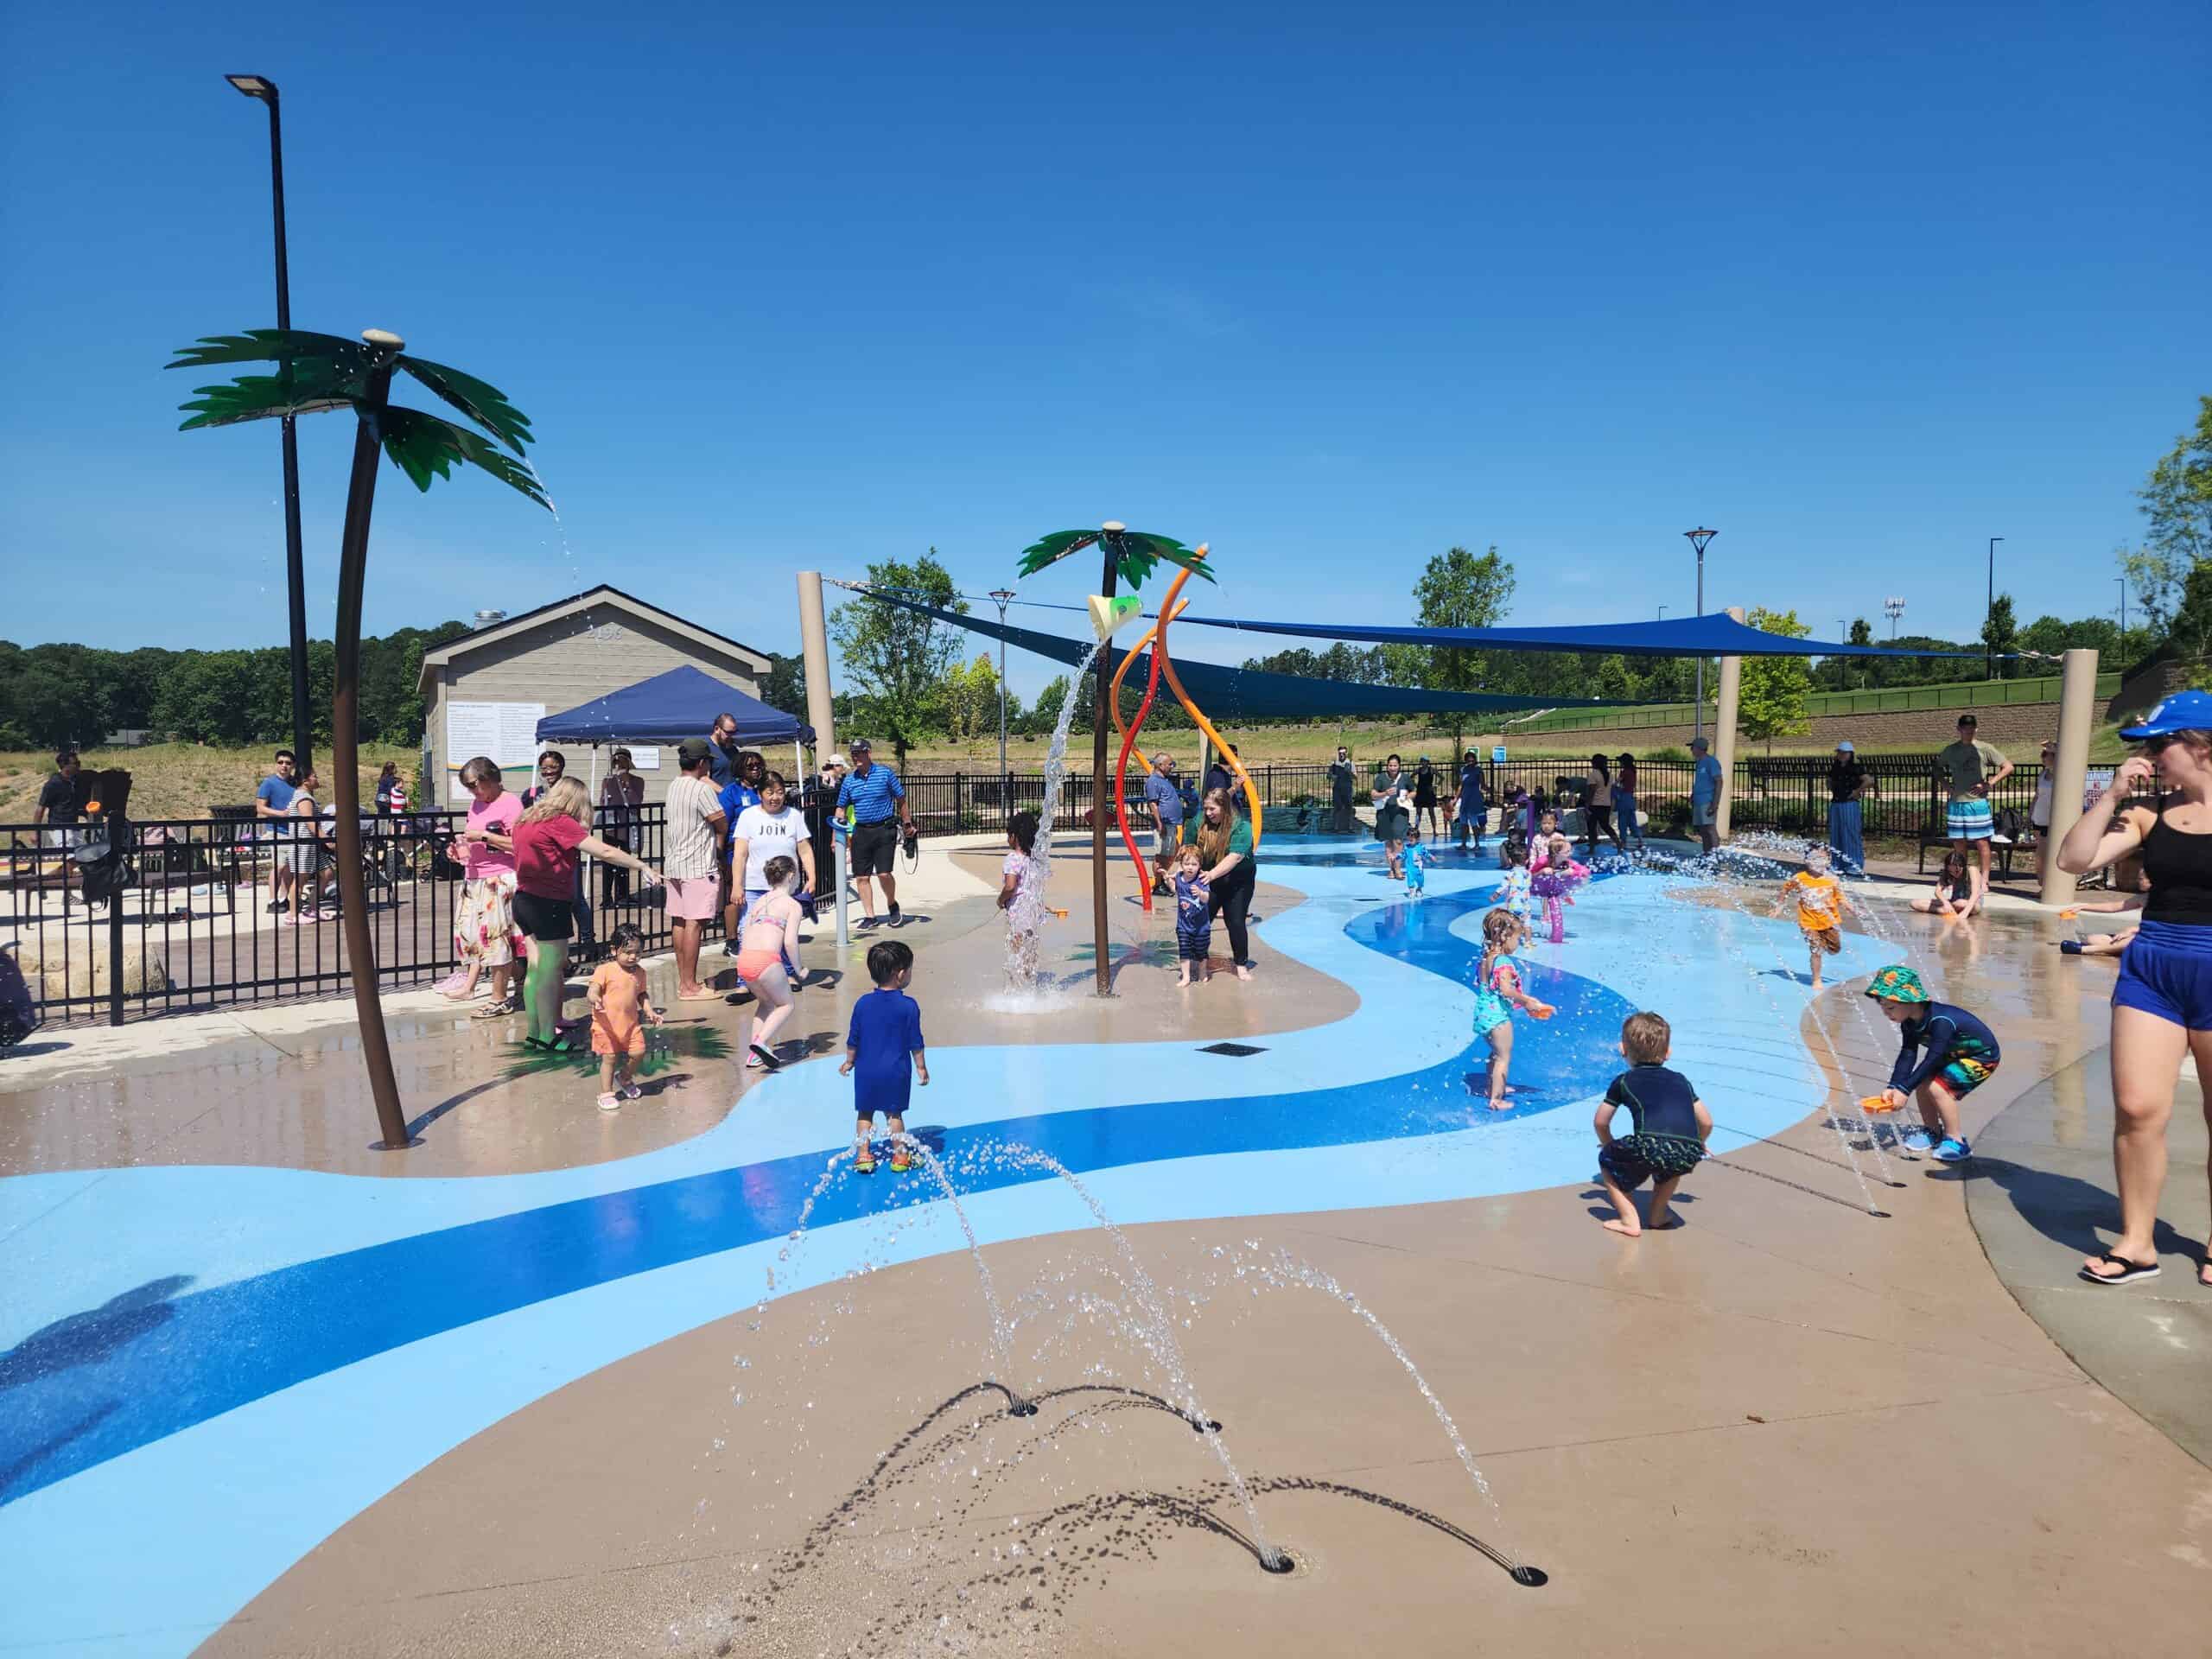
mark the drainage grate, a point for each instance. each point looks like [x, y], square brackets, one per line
[1235, 1050]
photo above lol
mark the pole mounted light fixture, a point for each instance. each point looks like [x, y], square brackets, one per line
[254, 87]
[1698, 538]
[1004, 596]
[1989, 617]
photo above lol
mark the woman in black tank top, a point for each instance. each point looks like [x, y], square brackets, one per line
[2162, 1002]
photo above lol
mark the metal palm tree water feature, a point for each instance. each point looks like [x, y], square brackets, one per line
[316, 372]
[1134, 554]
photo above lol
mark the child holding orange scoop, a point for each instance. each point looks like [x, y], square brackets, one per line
[1498, 993]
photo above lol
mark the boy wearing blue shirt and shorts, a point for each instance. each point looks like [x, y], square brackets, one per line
[882, 1043]
[1944, 1054]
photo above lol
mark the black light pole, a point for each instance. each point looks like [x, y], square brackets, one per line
[1989, 617]
[1698, 538]
[1004, 596]
[260, 86]
[2122, 580]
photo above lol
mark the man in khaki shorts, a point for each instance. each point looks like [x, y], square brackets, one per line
[692, 863]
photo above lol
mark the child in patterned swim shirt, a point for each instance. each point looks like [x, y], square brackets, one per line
[1671, 1127]
[1498, 991]
[1517, 879]
[1944, 1054]
[1193, 922]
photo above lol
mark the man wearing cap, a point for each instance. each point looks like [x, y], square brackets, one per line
[1848, 780]
[1970, 769]
[1705, 794]
[879, 803]
[1163, 793]
[690, 861]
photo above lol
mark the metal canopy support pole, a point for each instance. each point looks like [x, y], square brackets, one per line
[2077, 700]
[1724, 732]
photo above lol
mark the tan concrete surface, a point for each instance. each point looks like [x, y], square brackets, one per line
[285, 1087]
[1788, 1427]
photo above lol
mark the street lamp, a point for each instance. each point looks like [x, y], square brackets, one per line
[1005, 597]
[1842, 664]
[1893, 608]
[2122, 580]
[1698, 538]
[1989, 617]
[261, 88]
[1663, 612]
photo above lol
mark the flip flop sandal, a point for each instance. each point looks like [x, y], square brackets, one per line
[2130, 1272]
[763, 1060]
[496, 1011]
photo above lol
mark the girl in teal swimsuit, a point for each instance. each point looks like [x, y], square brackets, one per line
[1498, 993]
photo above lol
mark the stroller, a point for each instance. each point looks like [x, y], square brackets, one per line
[19, 1015]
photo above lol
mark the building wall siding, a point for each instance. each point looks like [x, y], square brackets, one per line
[569, 660]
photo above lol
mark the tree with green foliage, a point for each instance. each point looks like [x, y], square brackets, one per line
[1044, 713]
[2177, 505]
[784, 687]
[895, 659]
[1770, 696]
[1459, 589]
[2001, 636]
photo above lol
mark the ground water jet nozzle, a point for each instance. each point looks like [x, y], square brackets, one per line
[1532, 1578]
[1280, 1562]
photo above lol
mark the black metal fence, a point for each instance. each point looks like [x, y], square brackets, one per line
[193, 929]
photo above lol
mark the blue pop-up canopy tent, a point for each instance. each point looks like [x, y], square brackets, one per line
[669, 708]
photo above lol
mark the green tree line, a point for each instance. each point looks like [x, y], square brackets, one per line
[54, 696]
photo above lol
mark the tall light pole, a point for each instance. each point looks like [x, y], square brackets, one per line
[1004, 596]
[1663, 612]
[261, 88]
[2122, 580]
[1893, 608]
[1989, 617]
[1698, 538]
[1842, 664]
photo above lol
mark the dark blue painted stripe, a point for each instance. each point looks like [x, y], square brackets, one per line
[105, 1383]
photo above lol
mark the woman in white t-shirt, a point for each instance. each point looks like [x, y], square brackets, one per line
[771, 829]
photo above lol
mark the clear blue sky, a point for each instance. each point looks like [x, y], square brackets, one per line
[1330, 290]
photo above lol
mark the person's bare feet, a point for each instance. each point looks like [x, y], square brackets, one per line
[1626, 1228]
[1497, 1105]
[1242, 972]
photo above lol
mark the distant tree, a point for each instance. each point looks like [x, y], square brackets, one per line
[1459, 589]
[1039, 720]
[2001, 636]
[1770, 698]
[784, 687]
[2177, 504]
[895, 659]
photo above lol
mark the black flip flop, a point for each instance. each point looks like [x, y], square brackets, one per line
[768, 1062]
[2131, 1270]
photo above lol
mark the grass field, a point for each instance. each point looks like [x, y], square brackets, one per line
[175, 780]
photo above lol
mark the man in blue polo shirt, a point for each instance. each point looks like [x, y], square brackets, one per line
[1163, 793]
[879, 803]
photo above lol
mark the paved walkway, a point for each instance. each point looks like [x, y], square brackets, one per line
[2040, 1193]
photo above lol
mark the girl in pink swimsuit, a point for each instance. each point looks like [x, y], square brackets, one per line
[770, 937]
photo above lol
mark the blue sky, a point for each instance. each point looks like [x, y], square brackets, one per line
[1331, 291]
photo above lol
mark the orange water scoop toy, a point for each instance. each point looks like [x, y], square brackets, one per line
[1876, 1104]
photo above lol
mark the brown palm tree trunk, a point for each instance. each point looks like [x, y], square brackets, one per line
[345, 756]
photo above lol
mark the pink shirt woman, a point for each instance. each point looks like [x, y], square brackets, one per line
[498, 813]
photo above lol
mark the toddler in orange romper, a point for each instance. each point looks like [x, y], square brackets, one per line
[621, 1006]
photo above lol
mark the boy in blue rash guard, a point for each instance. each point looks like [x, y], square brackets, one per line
[1944, 1054]
[884, 1040]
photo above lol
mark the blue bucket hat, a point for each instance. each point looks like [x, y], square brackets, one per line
[2184, 711]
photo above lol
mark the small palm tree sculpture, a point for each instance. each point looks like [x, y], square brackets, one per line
[317, 372]
[1130, 554]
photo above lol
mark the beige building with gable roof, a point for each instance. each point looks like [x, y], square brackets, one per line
[483, 693]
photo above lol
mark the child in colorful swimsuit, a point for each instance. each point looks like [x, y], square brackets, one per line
[767, 958]
[1944, 1055]
[1416, 870]
[1498, 993]
[1194, 917]
[1820, 903]
[1555, 882]
[621, 1006]
[1516, 891]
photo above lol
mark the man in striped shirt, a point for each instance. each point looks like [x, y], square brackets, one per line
[879, 803]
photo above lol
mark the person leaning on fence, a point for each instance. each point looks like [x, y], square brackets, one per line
[1849, 782]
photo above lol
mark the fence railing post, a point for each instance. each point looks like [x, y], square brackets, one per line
[957, 780]
[115, 936]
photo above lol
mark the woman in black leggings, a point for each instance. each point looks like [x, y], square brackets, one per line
[1225, 848]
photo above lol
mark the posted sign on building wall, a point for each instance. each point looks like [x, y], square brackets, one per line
[507, 732]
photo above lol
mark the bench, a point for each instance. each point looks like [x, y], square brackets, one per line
[2011, 834]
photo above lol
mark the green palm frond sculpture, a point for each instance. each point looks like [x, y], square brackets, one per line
[328, 371]
[316, 372]
[1136, 552]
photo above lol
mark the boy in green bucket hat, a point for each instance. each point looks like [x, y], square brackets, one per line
[1944, 1055]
